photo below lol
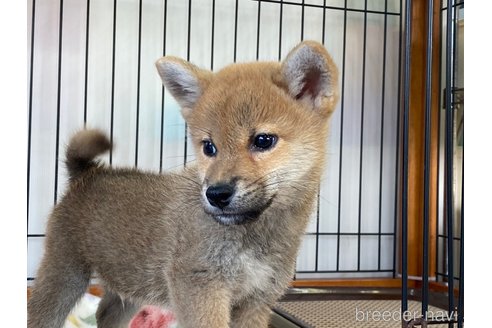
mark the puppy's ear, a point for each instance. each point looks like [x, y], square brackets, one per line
[311, 76]
[185, 81]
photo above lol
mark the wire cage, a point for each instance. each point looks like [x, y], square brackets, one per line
[390, 208]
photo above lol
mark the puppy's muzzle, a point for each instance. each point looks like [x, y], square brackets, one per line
[220, 195]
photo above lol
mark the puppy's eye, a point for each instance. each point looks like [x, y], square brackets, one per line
[209, 148]
[264, 142]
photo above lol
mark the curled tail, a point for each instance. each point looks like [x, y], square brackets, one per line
[83, 148]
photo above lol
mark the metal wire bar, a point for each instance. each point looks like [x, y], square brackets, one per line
[461, 295]
[139, 68]
[280, 30]
[445, 275]
[449, 156]
[350, 233]
[188, 56]
[213, 35]
[258, 30]
[113, 73]
[381, 144]
[361, 148]
[406, 112]
[58, 99]
[303, 5]
[439, 143]
[161, 147]
[342, 106]
[344, 8]
[323, 32]
[29, 127]
[316, 255]
[446, 237]
[427, 168]
[397, 156]
[86, 64]
[456, 4]
[319, 187]
[345, 271]
[236, 9]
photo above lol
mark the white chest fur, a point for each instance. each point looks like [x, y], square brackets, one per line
[255, 275]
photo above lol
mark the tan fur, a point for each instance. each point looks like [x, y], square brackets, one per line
[155, 239]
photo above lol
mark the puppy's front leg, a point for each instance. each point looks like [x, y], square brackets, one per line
[200, 304]
[251, 313]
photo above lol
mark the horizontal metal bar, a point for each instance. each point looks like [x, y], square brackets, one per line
[333, 7]
[345, 271]
[462, 3]
[445, 275]
[446, 237]
[350, 234]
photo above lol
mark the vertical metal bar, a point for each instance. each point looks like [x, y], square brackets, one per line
[113, 73]
[188, 45]
[381, 144]
[439, 142]
[449, 155]
[316, 258]
[406, 113]
[213, 34]
[461, 295]
[86, 68]
[161, 149]
[258, 32]
[139, 60]
[302, 19]
[397, 157]
[323, 32]
[29, 129]
[455, 38]
[342, 105]
[427, 168]
[280, 30]
[235, 29]
[319, 188]
[58, 99]
[361, 151]
[185, 156]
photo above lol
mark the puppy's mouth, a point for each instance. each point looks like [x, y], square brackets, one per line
[237, 217]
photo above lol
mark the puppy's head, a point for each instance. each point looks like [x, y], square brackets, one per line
[259, 129]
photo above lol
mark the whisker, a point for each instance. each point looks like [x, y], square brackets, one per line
[181, 165]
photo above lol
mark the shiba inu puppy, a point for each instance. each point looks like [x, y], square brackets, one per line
[217, 241]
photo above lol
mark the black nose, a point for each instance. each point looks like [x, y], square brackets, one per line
[220, 195]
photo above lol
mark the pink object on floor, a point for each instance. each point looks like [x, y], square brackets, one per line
[153, 317]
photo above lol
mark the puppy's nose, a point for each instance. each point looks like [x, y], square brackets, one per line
[220, 195]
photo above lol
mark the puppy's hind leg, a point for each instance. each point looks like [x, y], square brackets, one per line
[61, 281]
[114, 312]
